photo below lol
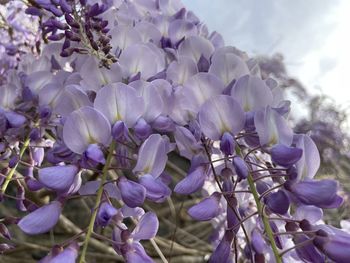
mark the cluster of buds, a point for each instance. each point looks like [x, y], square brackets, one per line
[78, 24]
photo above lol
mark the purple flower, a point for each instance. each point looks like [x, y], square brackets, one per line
[309, 163]
[114, 101]
[128, 243]
[221, 114]
[241, 167]
[222, 253]
[278, 202]
[207, 209]
[272, 128]
[227, 143]
[156, 190]
[58, 178]
[84, 127]
[193, 181]
[132, 193]
[152, 156]
[105, 213]
[334, 244]
[41, 220]
[67, 255]
[321, 193]
[252, 93]
[227, 66]
[284, 155]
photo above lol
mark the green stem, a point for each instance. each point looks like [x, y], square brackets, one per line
[265, 220]
[97, 203]
[12, 171]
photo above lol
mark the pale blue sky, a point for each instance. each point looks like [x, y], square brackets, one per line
[313, 36]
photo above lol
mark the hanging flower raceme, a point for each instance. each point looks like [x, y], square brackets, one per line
[133, 106]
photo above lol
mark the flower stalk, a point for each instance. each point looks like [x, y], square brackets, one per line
[98, 201]
[12, 171]
[265, 219]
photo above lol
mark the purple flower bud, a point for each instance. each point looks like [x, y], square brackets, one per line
[27, 94]
[203, 64]
[105, 213]
[278, 202]
[120, 132]
[207, 209]
[45, 112]
[56, 11]
[232, 212]
[33, 11]
[133, 194]
[284, 155]
[241, 168]
[94, 10]
[67, 52]
[163, 124]
[59, 24]
[20, 195]
[67, 8]
[13, 161]
[70, 20]
[95, 154]
[41, 220]
[222, 253]
[258, 243]
[227, 144]
[72, 36]
[142, 129]
[33, 184]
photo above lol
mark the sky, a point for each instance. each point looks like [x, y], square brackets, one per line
[312, 35]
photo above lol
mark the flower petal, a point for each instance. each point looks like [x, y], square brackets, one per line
[192, 182]
[58, 178]
[284, 155]
[41, 220]
[207, 209]
[114, 102]
[221, 114]
[278, 202]
[133, 194]
[84, 127]
[147, 227]
[157, 191]
[152, 156]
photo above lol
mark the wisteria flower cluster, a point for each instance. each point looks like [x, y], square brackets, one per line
[120, 90]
